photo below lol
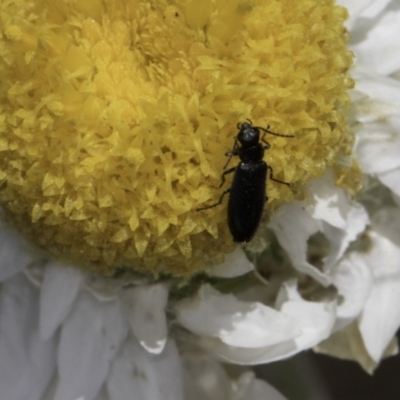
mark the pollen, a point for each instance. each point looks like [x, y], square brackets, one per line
[115, 117]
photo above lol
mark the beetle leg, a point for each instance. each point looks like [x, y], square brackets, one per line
[230, 154]
[233, 152]
[228, 171]
[271, 176]
[216, 204]
[267, 145]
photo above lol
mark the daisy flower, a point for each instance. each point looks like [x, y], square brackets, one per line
[114, 120]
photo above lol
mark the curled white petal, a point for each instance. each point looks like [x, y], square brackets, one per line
[242, 356]
[314, 320]
[145, 310]
[249, 333]
[234, 322]
[332, 213]
[236, 264]
[328, 202]
[293, 227]
[353, 280]
[339, 239]
[315, 329]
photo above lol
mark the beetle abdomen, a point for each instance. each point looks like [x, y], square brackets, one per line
[246, 200]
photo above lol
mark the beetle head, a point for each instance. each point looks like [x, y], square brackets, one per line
[248, 135]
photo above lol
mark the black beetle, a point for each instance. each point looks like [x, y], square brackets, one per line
[248, 188]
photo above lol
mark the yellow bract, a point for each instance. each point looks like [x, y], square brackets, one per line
[115, 117]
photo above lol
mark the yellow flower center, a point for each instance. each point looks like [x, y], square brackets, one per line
[115, 117]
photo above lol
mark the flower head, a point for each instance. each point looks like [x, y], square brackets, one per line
[116, 116]
[114, 121]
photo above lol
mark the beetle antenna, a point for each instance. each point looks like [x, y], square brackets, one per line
[266, 130]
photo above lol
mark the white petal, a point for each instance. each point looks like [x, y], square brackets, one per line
[243, 356]
[378, 142]
[103, 287]
[293, 227]
[347, 344]
[315, 320]
[375, 8]
[342, 221]
[379, 96]
[169, 372]
[236, 323]
[204, 377]
[60, 286]
[378, 147]
[381, 316]
[145, 309]
[355, 8]
[339, 239]
[90, 338]
[396, 199]
[387, 222]
[103, 395]
[236, 264]
[250, 388]
[27, 363]
[353, 281]
[137, 374]
[391, 179]
[329, 203]
[51, 389]
[15, 253]
[381, 41]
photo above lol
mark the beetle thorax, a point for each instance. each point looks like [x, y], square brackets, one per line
[251, 154]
